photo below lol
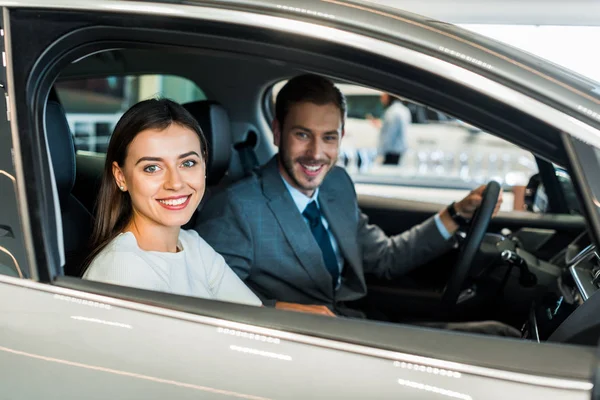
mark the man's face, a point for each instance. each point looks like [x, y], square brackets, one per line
[309, 144]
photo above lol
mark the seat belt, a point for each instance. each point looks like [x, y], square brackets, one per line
[246, 153]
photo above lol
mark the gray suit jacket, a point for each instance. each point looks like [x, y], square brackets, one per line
[257, 227]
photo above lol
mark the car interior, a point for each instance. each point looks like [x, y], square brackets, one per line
[522, 273]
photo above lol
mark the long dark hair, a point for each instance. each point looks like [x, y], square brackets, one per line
[114, 209]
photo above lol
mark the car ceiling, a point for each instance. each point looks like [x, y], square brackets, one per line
[223, 77]
[236, 81]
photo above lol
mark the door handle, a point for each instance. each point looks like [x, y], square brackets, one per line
[5, 231]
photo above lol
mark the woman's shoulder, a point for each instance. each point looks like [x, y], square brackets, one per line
[121, 250]
[198, 249]
[191, 238]
[123, 242]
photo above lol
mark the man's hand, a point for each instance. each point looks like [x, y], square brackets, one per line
[311, 309]
[467, 206]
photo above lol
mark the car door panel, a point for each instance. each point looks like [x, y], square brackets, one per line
[543, 235]
[397, 215]
[95, 347]
[12, 250]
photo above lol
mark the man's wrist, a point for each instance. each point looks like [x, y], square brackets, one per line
[456, 216]
[448, 222]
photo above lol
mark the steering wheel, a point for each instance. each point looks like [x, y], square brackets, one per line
[470, 246]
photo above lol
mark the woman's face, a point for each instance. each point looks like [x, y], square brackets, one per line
[164, 173]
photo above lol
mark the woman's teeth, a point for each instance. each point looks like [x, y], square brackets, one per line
[175, 202]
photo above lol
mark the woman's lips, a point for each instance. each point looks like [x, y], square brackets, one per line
[178, 203]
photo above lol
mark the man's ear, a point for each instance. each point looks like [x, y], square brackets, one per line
[119, 176]
[276, 132]
[343, 132]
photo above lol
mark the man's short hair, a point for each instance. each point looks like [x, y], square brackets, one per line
[309, 88]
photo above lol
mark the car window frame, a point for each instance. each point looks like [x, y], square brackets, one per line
[15, 240]
[79, 52]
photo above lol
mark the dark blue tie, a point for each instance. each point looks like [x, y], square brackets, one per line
[313, 215]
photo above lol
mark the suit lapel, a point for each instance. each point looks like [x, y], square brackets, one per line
[295, 230]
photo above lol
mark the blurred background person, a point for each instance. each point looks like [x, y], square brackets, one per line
[393, 127]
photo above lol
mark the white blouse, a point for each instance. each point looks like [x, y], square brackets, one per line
[197, 270]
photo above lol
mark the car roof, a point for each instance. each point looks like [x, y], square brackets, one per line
[559, 84]
[540, 79]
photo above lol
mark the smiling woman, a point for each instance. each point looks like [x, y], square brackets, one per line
[153, 181]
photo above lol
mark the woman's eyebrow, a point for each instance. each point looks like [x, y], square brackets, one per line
[158, 159]
[190, 153]
[148, 159]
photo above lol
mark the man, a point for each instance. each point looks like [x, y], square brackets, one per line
[392, 134]
[294, 233]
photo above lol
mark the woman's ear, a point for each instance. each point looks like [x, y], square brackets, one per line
[119, 177]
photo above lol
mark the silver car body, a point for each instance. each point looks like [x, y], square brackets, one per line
[63, 343]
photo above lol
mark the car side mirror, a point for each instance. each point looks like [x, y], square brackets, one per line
[536, 199]
[566, 184]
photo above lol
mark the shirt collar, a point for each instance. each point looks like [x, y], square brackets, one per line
[300, 199]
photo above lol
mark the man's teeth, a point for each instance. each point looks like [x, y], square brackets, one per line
[312, 168]
[176, 202]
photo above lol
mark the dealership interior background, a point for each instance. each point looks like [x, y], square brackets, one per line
[445, 157]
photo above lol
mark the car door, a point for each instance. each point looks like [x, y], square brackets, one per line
[64, 337]
[13, 260]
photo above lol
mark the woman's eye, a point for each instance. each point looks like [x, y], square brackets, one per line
[151, 168]
[189, 163]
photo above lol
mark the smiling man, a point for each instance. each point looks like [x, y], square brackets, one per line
[293, 231]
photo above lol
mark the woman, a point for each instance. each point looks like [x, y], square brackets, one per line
[153, 180]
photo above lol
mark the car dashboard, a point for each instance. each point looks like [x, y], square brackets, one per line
[575, 287]
[585, 272]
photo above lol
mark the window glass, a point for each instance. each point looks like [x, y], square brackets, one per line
[93, 106]
[443, 158]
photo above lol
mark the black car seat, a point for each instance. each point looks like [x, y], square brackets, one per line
[245, 151]
[76, 220]
[215, 124]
